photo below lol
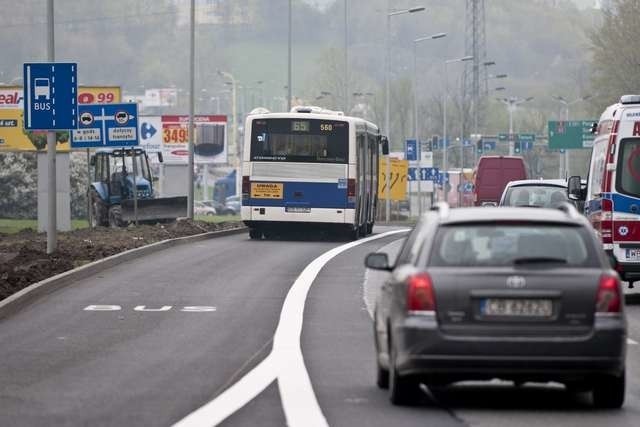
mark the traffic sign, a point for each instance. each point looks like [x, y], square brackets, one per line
[106, 125]
[485, 145]
[527, 137]
[411, 150]
[443, 178]
[570, 134]
[426, 174]
[50, 96]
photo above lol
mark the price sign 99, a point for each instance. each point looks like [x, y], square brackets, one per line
[98, 95]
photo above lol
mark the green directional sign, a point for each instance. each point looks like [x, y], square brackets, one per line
[570, 134]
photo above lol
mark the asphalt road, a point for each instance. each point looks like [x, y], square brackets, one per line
[92, 353]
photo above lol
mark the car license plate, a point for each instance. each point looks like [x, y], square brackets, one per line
[516, 307]
[633, 254]
[297, 209]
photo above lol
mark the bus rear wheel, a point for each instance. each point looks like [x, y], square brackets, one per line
[255, 233]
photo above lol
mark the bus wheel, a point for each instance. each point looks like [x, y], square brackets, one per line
[354, 233]
[369, 228]
[255, 233]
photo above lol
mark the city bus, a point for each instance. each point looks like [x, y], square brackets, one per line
[309, 169]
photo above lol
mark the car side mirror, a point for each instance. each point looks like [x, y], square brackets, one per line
[385, 145]
[377, 261]
[574, 188]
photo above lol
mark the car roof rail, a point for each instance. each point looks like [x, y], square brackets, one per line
[569, 209]
[442, 208]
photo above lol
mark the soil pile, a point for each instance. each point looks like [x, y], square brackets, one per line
[24, 259]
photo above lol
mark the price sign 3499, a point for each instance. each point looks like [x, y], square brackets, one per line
[175, 134]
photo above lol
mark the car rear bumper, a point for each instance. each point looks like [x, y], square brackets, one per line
[426, 351]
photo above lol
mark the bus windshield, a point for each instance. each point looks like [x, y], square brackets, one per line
[628, 168]
[300, 140]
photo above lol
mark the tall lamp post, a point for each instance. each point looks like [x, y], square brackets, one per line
[289, 57]
[415, 108]
[512, 103]
[566, 105]
[387, 94]
[444, 112]
[234, 125]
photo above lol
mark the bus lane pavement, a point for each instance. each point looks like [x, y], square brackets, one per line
[147, 342]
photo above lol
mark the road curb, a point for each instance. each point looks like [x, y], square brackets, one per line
[26, 296]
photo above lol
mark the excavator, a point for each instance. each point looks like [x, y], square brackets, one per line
[112, 199]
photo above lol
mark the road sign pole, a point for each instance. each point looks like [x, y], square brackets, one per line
[52, 223]
[191, 133]
[134, 158]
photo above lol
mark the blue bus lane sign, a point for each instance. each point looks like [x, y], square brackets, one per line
[106, 125]
[50, 92]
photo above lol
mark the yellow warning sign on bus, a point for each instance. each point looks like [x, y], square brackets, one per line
[397, 179]
[267, 190]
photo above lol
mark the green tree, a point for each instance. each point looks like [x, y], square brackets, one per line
[616, 58]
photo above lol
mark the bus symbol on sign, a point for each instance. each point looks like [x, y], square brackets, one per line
[42, 89]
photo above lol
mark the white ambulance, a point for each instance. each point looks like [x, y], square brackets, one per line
[612, 194]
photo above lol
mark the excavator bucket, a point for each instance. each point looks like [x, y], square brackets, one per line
[155, 210]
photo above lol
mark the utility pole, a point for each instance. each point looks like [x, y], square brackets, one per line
[192, 61]
[346, 58]
[289, 92]
[52, 190]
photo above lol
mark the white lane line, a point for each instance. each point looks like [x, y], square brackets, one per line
[632, 342]
[235, 397]
[285, 362]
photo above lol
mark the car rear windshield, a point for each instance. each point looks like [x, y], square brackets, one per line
[628, 168]
[542, 196]
[530, 244]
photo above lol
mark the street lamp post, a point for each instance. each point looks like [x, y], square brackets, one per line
[444, 113]
[564, 170]
[387, 95]
[512, 103]
[415, 108]
[192, 61]
[234, 125]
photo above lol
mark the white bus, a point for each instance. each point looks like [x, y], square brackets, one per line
[310, 168]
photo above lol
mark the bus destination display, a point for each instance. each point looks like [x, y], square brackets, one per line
[300, 126]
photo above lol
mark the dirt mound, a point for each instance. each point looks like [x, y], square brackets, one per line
[24, 259]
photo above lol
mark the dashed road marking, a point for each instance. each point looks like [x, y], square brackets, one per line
[632, 342]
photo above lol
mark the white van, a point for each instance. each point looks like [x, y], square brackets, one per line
[612, 194]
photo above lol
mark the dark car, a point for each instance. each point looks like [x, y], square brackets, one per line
[521, 294]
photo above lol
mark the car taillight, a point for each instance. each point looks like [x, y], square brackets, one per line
[420, 296]
[246, 187]
[608, 299]
[606, 223]
[351, 187]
